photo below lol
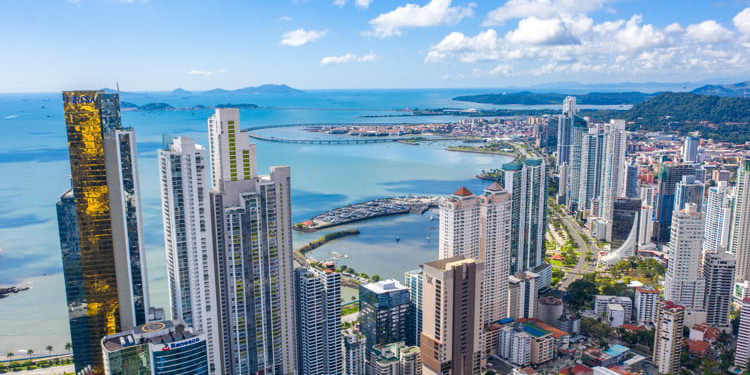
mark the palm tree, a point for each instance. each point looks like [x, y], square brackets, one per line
[29, 352]
[68, 346]
[49, 349]
[9, 355]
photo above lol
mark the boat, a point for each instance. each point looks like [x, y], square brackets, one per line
[398, 238]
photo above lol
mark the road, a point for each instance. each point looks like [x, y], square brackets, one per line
[583, 249]
[50, 370]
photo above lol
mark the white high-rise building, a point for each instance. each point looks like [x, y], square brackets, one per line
[646, 225]
[739, 243]
[251, 216]
[690, 149]
[613, 172]
[185, 187]
[354, 345]
[718, 271]
[646, 304]
[668, 337]
[684, 283]
[742, 353]
[578, 133]
[718, 218]
[522, 295]
[564, 130]
[591, 161]
[319, 321]
[478, 227]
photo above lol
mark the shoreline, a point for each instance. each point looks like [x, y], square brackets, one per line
[502, 153]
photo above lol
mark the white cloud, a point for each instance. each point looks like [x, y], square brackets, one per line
[348, 58]
[434, 13]
[502, 70]
[708, 31]
[285, 19]
[532, 30]
[540, 8]
[742, 21]
[206, 73]
[300, 37]
[482, 47]
[637, 37]
[363, 3]
[339, 3]
[674, 28]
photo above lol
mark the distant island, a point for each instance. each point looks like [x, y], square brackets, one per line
[128, 106]
[256, 90]
[737, 90]
[534, 98]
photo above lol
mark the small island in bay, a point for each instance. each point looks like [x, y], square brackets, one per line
[7, 291]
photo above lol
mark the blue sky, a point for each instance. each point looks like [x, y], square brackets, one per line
[49, 45]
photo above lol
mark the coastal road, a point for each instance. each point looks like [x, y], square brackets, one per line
[67, 369]
[583, 249]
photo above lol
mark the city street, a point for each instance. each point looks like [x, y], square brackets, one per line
[583, 249]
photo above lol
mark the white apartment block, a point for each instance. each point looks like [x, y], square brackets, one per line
[739, 243]
[646, 304]
[718, 271]
[601, 302]
[742, 353]
[185, 187]
[354, 349]
[718, 218]
[684, 284]
[613, 172]
[668, 337]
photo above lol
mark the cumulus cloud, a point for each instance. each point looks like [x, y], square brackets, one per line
[540, 8]
[285, 19]
[206, 73]
[434, 13]
[708, 31]
[348, 58]
[300, 37]
[502, 70]
[742, 21]
[339, 3]
[363, 3]
[551, 31]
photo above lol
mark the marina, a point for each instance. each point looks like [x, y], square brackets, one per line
[369, 210]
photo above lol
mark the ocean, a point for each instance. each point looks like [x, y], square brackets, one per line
[35, 171]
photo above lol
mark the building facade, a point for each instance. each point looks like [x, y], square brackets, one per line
[718, 213]
[646, 304]
[522, 295]
[251, 217]
[565, 129]
[103, 254]
[739, 243]
[613, 172]
[668, 337]
[318, 321]
[718, 271]
[684, 284]
[742, 353]
[395, 359]
[451, 340]
[185, 187]
[669, 176]
[354, 350]
[383, 308]
[414, 280]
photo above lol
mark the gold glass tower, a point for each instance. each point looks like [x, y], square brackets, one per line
[105, 269]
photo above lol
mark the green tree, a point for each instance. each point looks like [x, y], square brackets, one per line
[376, 278]
[582, 292]
[29, 352]
[68, 347]
[9, 355]
[49, 349]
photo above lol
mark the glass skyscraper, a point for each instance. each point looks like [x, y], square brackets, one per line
[382, 309]
[100, 226]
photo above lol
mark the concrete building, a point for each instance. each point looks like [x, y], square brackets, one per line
[631, 180]
[383, 308]
[718, 214]
[354, 349]
[625, 221]
[477, 227]
[414, 280]
[522, 295]
[689, 190]
[565, 130]
[578, 133]
[100, 226]
[185, 186]
[739, 243]
[514, 345]
[318, 321]
[549, 309]
[718, 271]
[601, 302]
[395, 359]
[742, 352]
[690, 149]
[592, 150]
[615, 315]
[451, 341]
[251, 217]
[527, 183]
[668, 337]
[646, 304]
[157, 348]
[684, 284]
[613, 172]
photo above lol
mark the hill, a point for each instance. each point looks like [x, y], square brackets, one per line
[180, 91]
[532, 98]
[738, 90]
[255, 90]
[725, 119]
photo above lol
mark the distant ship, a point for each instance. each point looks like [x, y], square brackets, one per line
[398, 238]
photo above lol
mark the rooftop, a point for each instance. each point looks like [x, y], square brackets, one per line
[616, 350]
[160, 332]
[463, 192]
[384, 286]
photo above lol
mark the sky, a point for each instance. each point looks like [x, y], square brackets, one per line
[158, 45]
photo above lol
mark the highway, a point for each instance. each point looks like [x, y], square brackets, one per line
[583, 249]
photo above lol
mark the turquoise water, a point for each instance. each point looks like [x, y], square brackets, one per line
[35, 170]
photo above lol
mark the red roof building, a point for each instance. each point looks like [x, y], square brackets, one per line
[699, 348]
[577, 370]
[463, 192]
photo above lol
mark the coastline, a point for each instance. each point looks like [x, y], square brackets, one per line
[477, 151]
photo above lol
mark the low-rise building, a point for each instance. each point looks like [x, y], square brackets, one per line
[646, 304]
[605, 358]
[704, 332]
[615, 314]
[601, 302]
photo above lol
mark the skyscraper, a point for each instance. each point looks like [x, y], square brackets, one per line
[105, 265]
[185, 187]
[478, 227]
[690, 149]
[739, 243]
[668, 337]
[318, 321]
[527, 183]
[684, 282]
[451, 336]
[414, 280]
[631, 180]
[742, 353]
[592, 150]
[718, 271]
[383, 308]
[613, 172]
[565, 130]
[688, 190]
[669, 176]
[718, 218]
[251, 217]
[522, 295]
[579, 131]
[354, 348]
